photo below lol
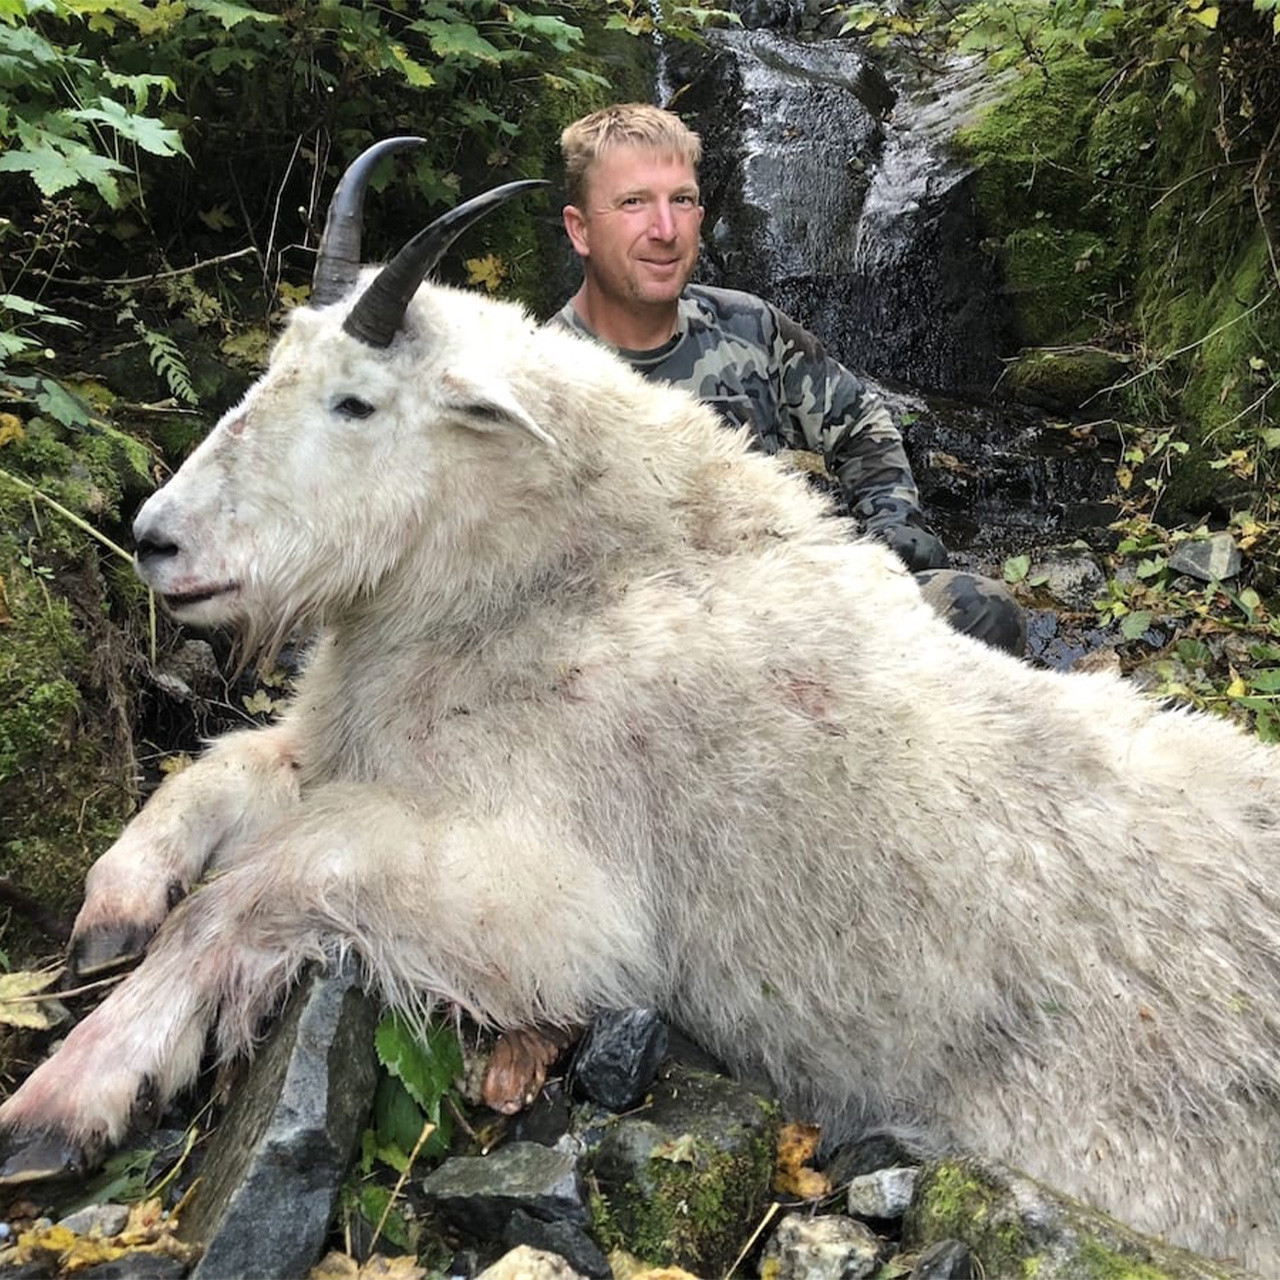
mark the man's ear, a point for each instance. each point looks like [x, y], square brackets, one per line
[575, 225]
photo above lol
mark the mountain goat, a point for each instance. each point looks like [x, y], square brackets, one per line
[604, 710]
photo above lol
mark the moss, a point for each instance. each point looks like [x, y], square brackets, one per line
[1061, 380]
[66, 757]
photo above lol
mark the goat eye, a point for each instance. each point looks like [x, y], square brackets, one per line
[353, 407]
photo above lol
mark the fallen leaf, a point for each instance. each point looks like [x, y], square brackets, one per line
[488, 271]
[10, 428]
[681, 1150]
[19, 1009]
[797, 1145]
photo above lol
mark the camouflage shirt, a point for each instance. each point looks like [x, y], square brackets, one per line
[759, 368]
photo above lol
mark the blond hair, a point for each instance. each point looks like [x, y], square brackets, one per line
[635, 124]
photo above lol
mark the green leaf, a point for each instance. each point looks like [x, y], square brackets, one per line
[231, 15]
[428, 1065]
[1134, 625]
[1266, 681]
[56, 168]
[1015, 568]
[144, 131]
[459, 40]
[397, 1123]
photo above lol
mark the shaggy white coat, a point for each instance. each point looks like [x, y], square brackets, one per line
[625, 716]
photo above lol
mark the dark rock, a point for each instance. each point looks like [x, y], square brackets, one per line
[565, 1239]
[271, 1178]
[675, 1181]
[139, 1266]
[866, 1155]
[547, 1120]
[946, 1260]
[620, 1056]
[479, 1194]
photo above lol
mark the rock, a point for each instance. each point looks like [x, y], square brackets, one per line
[1062, 381]
[1017, 1227]
[566, 1239]
[620, 1056]
[138, 1266]
[831, 1247]
[946, 1260]
[1212, 559]
[105, 1219]
[479, 1194]
[680, 1181]
[886, 1193]
[1072, 576]
[523, 1263]
[270, 1181]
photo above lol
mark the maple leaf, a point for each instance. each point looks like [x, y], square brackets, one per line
[488, 271]
[797, 1145]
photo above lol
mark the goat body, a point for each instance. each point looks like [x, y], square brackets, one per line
[607, 710]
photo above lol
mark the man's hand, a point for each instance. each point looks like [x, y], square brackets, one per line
[917, 548]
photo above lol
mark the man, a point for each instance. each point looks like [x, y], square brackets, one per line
[634, 219]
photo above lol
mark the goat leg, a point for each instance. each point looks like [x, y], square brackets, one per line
[242, 784]
[490, 914]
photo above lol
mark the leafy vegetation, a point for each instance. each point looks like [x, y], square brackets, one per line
[1124, 178]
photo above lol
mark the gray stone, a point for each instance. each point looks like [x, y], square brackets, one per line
[886, 1193]
[1072, 576]
[1212, 559]
[831, 1247]
[270, 1181]
[946, 1260]
[480, 1193]
[106, 1219]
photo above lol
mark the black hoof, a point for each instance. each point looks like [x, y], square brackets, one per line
[104, 951]
[34, 1157]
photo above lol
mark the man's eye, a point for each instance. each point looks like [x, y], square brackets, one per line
[353, 407]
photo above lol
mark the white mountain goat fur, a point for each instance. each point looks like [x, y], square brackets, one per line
[608, 710]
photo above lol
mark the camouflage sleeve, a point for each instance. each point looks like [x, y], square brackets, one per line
[829, 410]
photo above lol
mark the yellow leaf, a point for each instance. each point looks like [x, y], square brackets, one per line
[488, 271]
[1124, 477]
[1237, 688]
[175, 764]
[261, 701]
[797, 1145]
[18, 1008]
[10, 428]
[1207, 17]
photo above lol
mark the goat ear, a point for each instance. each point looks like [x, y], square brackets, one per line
[491, 405]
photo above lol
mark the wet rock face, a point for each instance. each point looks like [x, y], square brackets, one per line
[832, 192]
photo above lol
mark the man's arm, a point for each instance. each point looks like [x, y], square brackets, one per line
[828, 409]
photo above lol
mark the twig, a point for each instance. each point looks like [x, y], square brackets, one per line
[427, 1130]
[769, 1216]
[96, 282]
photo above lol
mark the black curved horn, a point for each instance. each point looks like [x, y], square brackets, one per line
[338, 258]
[379, 311]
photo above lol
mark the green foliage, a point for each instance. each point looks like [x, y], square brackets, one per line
[422, 1067]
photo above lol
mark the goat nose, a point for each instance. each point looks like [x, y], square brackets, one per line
[150, 549]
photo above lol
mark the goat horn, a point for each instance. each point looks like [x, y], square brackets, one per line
[338, 258]
[379, 311]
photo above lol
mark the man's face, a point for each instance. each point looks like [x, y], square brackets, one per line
[638, 232]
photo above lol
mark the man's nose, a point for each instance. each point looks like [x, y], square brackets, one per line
[663, 226]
